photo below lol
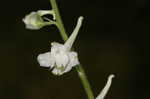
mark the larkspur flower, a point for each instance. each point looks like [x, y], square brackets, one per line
[61, 59]
[106, 88]
[34, 20]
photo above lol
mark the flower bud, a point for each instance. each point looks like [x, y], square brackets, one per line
[34, 20]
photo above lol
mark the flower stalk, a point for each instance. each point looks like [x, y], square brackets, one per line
[60, 24]
[64, 35]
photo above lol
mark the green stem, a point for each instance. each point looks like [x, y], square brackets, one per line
[79, 68]
[59, 21]
[85, 82]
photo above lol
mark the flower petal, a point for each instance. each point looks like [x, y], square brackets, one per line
[73, 56]
[67, 69]
[56, 71]
[61, 59]
[60, 54]
[57, 47]
[46, 60]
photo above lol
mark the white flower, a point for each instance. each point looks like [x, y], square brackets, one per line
[106, 88]
[34, 20]
[61, 59]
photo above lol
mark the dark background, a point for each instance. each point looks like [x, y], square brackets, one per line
[114, 39]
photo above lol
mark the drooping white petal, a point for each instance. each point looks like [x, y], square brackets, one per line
[73, 36]
[46, 60]
[106, 88]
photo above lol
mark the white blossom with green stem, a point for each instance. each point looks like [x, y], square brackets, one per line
[61, 59]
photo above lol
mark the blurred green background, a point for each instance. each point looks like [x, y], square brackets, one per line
[114, 39]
